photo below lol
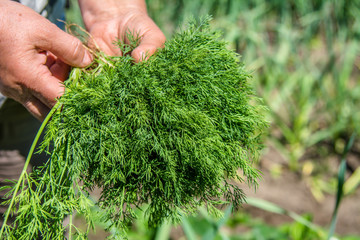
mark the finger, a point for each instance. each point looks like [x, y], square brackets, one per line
[66, 47]
[44, 86]
[149, 43]
[107, 47]
[103, 37]
[46, 58]
[143, 52]
[60, 70]
[36, 108]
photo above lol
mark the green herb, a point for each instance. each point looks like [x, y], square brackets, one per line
[171, 132]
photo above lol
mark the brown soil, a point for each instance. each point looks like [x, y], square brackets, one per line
[291, 191]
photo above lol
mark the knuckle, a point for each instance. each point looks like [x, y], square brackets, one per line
[76, 51]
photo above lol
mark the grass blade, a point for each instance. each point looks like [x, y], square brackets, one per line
[271, 207]
[188, 230]
[340, 188]
[353, 182]
[163, 232]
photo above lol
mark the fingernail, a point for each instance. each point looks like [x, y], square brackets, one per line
[87, 58]
[142, 56]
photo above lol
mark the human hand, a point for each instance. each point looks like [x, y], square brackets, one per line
[35, 55]
[108, 21]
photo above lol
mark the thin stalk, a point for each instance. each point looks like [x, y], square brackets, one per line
[70, 226]
[122, 201]
[340, 190]
[23, 173]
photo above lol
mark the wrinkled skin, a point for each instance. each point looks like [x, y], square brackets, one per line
[110, 20]
[36, 55]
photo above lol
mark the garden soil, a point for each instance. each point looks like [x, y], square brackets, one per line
[292, 191]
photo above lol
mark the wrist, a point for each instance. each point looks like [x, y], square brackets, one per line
[95, 11]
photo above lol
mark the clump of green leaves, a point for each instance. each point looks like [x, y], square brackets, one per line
[170, 132]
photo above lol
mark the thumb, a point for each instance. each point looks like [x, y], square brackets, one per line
[66, 47]
[143, 52]
[149, 43]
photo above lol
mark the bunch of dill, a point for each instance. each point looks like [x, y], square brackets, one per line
[170, 132]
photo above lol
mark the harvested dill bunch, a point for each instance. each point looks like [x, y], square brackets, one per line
[170, 132]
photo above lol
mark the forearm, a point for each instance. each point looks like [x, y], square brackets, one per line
[95, 10]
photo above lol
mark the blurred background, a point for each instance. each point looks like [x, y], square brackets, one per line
[304, 57]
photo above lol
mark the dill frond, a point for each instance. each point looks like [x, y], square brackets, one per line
[170, 132]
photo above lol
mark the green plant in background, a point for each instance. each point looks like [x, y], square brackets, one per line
[171, 132]
[303, 57]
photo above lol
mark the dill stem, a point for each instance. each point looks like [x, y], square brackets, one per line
[70, 226]
[23, 173]
[122, 202]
